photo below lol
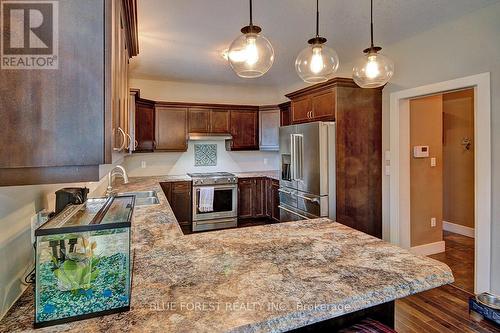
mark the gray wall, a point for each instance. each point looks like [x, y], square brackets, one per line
[466, 46]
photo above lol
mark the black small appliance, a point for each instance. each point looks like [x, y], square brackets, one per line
[70, 195]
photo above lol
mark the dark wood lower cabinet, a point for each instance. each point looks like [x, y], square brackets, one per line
[179, 196]
[274, 200]
[258, 198]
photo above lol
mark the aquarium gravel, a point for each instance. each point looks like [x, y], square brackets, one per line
[108, 291]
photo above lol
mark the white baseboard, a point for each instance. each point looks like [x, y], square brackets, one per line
[428, 249]
[458, 229]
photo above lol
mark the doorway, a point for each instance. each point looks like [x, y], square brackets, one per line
[400, 187]
[442, 181]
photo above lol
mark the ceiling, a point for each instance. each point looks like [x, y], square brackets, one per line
[183, 40]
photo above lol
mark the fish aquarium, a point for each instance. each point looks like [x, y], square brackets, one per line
[83, 265]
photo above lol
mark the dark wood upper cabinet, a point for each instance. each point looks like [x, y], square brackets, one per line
[244, 129]
[199, 120]
[301, 109]
[208, 121]
[285, 113]
[144, 125]
[219, 121]
[315, 106]
[323, 105]
[58, 124]
[171, 129]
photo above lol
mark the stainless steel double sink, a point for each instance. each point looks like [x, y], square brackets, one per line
[144, 198]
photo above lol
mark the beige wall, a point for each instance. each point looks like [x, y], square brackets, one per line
[181, 163]
[17, 205]
[462, 47]
[458, 163]
[426, 182]
[171, 91]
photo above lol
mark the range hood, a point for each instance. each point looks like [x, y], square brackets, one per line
[209, 137]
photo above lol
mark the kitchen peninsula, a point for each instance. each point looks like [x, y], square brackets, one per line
[275, 277]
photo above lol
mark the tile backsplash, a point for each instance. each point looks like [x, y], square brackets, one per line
[205, 154]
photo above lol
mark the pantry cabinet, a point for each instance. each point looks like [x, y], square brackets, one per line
[60, 124]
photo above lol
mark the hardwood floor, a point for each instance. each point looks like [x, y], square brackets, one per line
[443, 309]
[459, 256]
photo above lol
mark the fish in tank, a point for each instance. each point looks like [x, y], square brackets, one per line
[83, 266]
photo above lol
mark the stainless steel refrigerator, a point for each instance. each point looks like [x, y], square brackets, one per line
[307, 167]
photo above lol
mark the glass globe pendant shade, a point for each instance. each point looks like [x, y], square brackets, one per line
[317, 63]
[373, 70]
[251, 55]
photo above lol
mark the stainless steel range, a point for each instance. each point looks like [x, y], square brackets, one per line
[215, 200]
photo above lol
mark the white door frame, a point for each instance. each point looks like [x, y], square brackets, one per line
[400, 170]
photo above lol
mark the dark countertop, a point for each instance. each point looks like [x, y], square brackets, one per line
[257, 279]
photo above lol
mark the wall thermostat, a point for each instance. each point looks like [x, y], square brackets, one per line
[421, 151]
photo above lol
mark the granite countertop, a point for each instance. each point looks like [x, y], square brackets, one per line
[258, 279]
[275, 174]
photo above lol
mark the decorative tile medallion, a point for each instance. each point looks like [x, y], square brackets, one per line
[205, 155]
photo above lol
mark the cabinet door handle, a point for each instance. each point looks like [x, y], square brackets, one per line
[136, 144]
[154, 144]
[124, 139]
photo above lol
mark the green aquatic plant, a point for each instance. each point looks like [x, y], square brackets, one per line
[79, 269]
[73, 275]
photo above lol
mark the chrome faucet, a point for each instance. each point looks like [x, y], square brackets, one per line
[116, 171]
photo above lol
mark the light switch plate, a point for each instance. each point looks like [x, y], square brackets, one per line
[143, 164]
[433, 222]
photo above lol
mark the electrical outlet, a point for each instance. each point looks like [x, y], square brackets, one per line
[265, 161]
[143, 164]
[433, 222]
[433, 162]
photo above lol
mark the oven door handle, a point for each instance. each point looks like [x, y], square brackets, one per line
[292, 212]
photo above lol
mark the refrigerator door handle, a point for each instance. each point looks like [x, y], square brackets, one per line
[299, 159]
[293, 156]
[294, 213]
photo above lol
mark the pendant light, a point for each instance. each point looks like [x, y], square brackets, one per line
[317, 62]
[374, 69]
[251, 55]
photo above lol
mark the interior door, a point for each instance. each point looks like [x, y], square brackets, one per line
[307, 149]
